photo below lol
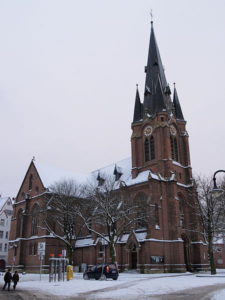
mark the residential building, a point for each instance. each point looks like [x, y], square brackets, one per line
[6, 210]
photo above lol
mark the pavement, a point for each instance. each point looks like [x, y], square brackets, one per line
[25, 295]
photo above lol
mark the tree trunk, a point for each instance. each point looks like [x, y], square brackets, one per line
[211, 255]
[112, 252]
[70, 254]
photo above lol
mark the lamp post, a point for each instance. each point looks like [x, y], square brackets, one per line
[216, 191]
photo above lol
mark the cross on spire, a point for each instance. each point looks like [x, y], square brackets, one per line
[151, 14]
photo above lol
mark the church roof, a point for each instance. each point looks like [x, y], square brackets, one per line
[50, 175]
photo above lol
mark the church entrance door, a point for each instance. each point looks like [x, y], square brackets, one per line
[187, 254]
[134, 258]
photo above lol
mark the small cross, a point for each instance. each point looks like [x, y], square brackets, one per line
[151, 14]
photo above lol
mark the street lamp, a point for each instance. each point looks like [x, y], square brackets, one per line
[216, 192]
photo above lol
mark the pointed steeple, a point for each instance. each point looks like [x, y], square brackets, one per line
[176, 104]
[154, 69]
[159, 101]
[138, 110]
[154, 65]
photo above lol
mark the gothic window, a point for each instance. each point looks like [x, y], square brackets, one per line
[30, 182]
[15, 251]
[152, 147]
[174, 148]
[149, 147]
[156, 214]
[101, 250]
[35, 249]
[139, 206]
[181, 210]
[34, 220]
[147, 156]
[19, 228]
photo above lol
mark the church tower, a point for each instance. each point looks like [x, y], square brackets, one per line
[159, 138]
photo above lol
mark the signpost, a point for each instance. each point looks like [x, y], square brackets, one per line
[41, 253]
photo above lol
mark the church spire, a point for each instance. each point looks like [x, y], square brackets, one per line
[138, 111]
[154, 69]
[176, 104]
[154, 66]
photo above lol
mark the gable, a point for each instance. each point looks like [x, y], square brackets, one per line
[32, 184]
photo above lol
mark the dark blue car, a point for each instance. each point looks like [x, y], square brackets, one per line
[101, 271]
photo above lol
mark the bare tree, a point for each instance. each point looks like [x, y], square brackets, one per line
[63, 219]
[211, 210]
[112, 211]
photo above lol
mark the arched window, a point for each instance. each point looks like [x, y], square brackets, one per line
[30, 182]
[174, 148]
[140, 210]
[19, 225]
[147, 156]
[157, 214]
[181, 209]
[34, 220]
[149, 147]
[152, 147]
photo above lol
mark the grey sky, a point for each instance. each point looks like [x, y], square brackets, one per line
[68, 71]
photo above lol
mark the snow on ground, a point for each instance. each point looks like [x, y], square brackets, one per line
[128, 285]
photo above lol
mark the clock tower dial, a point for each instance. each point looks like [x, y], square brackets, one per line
[173, 130]
[148, 131]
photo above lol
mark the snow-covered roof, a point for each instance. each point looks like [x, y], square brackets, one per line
[84, 242]
[50, 175]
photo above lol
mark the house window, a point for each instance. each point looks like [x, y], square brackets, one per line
[174, 148]
[0, 246]
[6, 234]
[2, 222]
[30, 182]
[6, 247]
[1, 234]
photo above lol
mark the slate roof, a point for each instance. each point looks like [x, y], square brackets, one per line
[157, 91]
[177, 107]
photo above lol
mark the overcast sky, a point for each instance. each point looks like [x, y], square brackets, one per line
[68, 74]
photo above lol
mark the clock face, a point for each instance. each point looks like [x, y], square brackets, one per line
[173, 130]
[148, 130]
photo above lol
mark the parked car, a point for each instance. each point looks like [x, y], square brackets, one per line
[101, 271]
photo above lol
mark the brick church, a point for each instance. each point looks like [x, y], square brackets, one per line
[159, 172]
